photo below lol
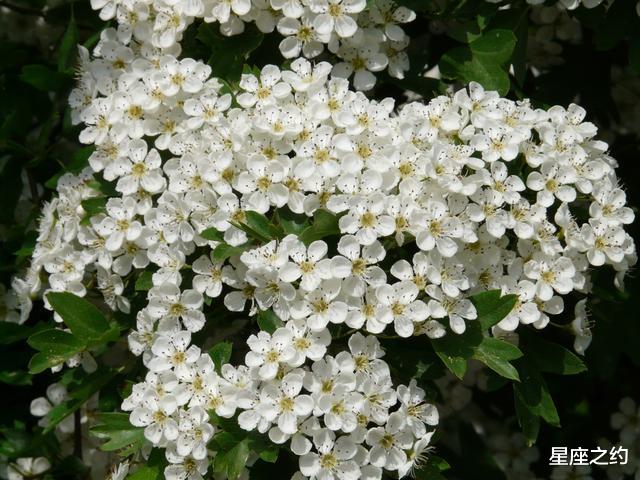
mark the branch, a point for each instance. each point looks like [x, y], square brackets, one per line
[77, 435]
[22, 10]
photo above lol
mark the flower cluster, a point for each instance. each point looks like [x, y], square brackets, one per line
[480, 192]
[365, 38]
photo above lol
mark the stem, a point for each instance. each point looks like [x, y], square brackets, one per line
[33, 188]
[77, 435]
[21, 9]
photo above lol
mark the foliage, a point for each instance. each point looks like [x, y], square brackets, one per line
[537, 387]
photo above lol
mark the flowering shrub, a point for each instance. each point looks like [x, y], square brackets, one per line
[252, 262]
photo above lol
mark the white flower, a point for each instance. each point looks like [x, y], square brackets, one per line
[400, 306]
[209, 276]
[551, 274]
[415, 410]
[167, 302]
[435, 228]
[27, 467]
[333, 458]
[604, 242]
[195, 432]
[320, 306]
[156, 415]
[284, 405]
[268, 89]
[388, 444]
[172, 351]
[120, 224]
[336, 15]
[581, 327]
[457, 309]
[269, 351]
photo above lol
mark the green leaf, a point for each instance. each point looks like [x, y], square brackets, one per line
[68, 46]
[483, 61]
[262, 226]
[15, 377]
[324, 224]
[54, 346]
[93, 206]
[550, 357]
[428, 472]
[496, 354]
[454, 350]
[118, 432]
[477, 460]
[494, 46]
[460, 64]
[269, 321]
[144, 282]
[153, 469]
[290, 222]
[87, 386]
[269, 454]
[528, 421]
[220, 353]
[229, 54]
[534, 393]
[491, 307]
[224, 251]
[212, 234]
[14, 332]
[83, 318]
[43, 78]
[233, 461]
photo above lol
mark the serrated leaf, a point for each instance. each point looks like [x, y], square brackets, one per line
[14, 332]
[15, 377]
[68, 46]
[324, 224]
[428, 472]
[92, 207]
[220, 353]
[212, 234]
[494, 46]
[460, 64]
[496, 354]
[454, 350]
[153, 469]
[229, 54]
[118, 432]
[43, 78]
[269, 454]
[224, 251]
[290, 222]
[262, 226]
[54, 346]
[144, 282]
[528, 421]
[83, 318]
[491, 307]
[78, 396]
[269, 321]
[233, 461]
[551, 357]
[534, 392]
[483, 61]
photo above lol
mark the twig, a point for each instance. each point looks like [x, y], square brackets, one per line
[77, 435]
[33, 188]
[21, 9]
